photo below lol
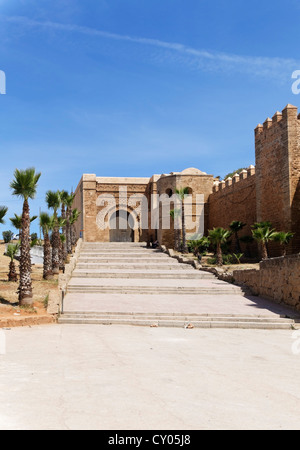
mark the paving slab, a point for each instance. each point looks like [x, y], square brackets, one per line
[172, 304]
[66, 377]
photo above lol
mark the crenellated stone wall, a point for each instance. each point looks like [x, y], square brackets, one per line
[234, 199]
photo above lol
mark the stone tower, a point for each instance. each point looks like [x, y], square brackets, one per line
[277, 151]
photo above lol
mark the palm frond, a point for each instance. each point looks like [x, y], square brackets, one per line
[3, 211]
[25, 183]
[53, 200]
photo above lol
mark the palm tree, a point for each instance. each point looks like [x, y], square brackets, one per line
[12, 250]
[263, 235]
[53, 200]
[219, 236]
[46, 223]
[284, 239]
[175, 214]
[24, 186]
[235, 227]
[182, 193]
[74, 217]
[264, 224]
[69, 202]
[17, 222]
[3, 211]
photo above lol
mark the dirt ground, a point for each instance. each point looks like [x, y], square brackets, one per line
[226, 267]
[9, 310]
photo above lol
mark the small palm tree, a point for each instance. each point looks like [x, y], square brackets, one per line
[46, 223]
[235, 227]
[263, 235]
[182, 193]
[54, 201]
[219, 236]
[3, 211]
[12, 250]
[24, 186]
[284, 239]
[175, 215]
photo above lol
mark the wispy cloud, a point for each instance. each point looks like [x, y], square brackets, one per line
[198, 58]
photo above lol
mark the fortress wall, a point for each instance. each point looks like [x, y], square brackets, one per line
[277, 151]
[234, 199]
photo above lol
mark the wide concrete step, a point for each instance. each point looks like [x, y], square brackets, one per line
[177, 316]
[147, 274]
[155, 290]
[179, 320]
[127, 259]
[115, 254]
[129, 266]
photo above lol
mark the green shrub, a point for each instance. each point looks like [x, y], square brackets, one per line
[7, 236]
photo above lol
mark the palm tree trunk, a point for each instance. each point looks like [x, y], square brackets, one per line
[264, 251]
[12, 276]
[64, 216]
[177, 239]
[219, 255]
[25, 286]
[55, 250]
[68, 232]
[237, 243]
[184, 247]
[61, 256]
[73, 235]
[47, 272]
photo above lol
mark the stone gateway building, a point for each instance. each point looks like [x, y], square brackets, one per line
[138, 209]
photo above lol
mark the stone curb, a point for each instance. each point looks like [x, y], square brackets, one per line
[55, 303]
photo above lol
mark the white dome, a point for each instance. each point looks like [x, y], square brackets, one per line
[192, 171]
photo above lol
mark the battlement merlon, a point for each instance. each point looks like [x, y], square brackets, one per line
[237, 178]
[288, 115]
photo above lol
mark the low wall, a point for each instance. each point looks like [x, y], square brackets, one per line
[36, 253]
[277, 279]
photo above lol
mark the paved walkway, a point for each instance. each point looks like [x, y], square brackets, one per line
[123, 377]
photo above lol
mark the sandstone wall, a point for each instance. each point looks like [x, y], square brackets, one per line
[198, 184]
[277, 152]
[234, 199]
[78, 203]
[277, 279]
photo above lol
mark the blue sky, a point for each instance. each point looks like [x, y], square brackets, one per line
[137, 87]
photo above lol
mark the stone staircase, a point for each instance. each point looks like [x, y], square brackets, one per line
[127, 283]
